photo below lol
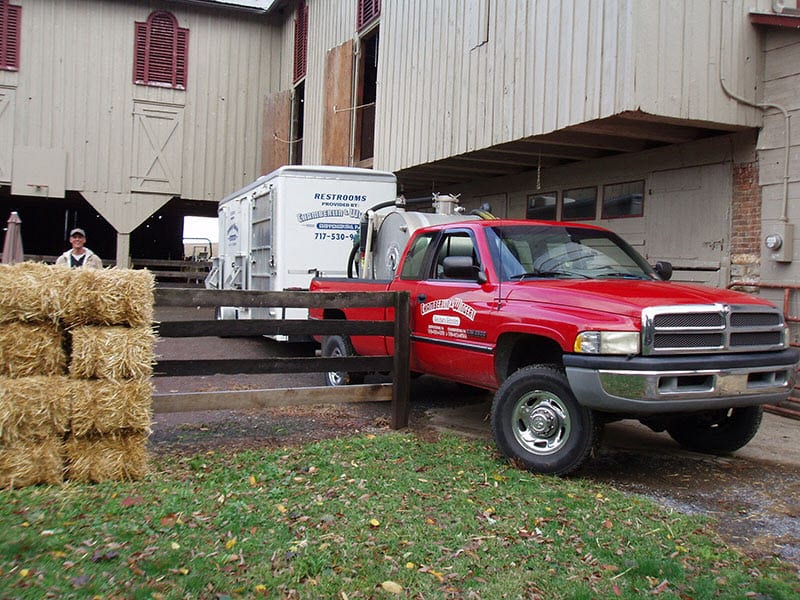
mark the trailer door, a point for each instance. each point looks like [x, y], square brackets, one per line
[262, 258]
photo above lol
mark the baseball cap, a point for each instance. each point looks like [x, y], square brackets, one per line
[77, 231]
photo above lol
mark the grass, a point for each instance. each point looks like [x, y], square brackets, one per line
[363, 517]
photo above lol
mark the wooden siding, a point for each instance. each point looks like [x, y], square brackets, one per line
[548, 64]
[275, 138]
[781, 83]
[337, 102]
[330, 23]
[74, 91]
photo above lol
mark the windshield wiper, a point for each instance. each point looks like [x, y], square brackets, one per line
[549, 274]
[620, 274]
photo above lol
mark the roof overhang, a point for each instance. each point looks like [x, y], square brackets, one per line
[263, 7]
[784, 21]
[624, 133]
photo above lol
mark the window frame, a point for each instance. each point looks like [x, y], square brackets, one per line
[445, 239]
[10, 35]
[528, 207]
[144, 62]
[604, 213]
[564, 195]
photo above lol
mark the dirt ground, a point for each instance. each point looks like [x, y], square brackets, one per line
[754, 494]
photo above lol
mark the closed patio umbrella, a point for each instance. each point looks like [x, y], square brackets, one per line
[12, 246]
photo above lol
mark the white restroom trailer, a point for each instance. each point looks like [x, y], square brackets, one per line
[290, 225]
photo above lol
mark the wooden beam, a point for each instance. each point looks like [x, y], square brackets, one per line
[249, 366]
[246, 399]
[256, 327]
[288, 299]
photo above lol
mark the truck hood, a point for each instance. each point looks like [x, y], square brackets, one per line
[620, 296]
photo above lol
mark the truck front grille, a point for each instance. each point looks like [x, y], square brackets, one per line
[699, 328]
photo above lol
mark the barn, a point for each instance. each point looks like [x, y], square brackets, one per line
[667, 121]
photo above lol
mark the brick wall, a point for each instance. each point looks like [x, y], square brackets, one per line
[746, 223]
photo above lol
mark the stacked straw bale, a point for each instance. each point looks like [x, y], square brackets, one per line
[76, 357]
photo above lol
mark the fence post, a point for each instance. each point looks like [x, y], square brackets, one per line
[402, 358]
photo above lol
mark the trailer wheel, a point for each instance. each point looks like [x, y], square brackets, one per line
[717, 431]
[337, 345]
[537, 421]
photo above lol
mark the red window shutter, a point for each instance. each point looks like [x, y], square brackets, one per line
[10, 23]
[140, 53]
[300, 42]
[182, 58]
[161, 51]
[368, 11]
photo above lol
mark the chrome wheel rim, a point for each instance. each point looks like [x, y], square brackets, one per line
[541, 422]
[336, 378]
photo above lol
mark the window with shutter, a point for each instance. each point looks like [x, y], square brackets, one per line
[10, 17]
[300, 42]
[368, 11]
[160, 54]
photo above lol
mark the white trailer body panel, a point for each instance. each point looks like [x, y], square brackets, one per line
[290, 225]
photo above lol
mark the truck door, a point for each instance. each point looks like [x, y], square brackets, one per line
[450, 313]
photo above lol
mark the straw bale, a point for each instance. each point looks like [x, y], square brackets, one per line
[113, 457]
[31, 291]
[31, 349]
[112, 352]
[104, 406]
[33, 407]
[32, 462]
[108, 297]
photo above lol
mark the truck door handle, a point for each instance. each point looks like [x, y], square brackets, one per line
[421, 297]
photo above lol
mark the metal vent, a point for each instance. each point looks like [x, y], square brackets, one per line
[699, 328]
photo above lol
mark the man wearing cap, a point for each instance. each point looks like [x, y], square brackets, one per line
[79, 255]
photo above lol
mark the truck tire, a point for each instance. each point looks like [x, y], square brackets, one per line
[537, 421]
[338, 345]
[718, 431]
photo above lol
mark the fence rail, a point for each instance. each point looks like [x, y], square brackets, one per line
[791, 406]
[190, 271]
[397, 362]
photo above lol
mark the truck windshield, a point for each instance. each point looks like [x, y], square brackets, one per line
[532, 251]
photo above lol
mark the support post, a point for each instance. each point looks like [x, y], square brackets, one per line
[123, 250]
[402, 360]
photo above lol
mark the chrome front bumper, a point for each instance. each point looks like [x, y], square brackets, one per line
[643, 386]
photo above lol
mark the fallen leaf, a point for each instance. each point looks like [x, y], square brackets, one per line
[168, 521]
[230, 543]
[131, 501]
[392, 587]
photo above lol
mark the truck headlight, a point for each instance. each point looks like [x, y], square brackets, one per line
[607, 342]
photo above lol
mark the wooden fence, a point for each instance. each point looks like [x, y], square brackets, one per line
[185, 271]
[397, 362]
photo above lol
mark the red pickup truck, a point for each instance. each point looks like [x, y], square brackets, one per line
[572, 329]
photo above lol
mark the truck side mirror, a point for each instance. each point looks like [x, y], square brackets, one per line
[663, 269]
[461, 267]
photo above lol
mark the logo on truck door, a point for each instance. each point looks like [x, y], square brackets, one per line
[457, 305]
[450, 325]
